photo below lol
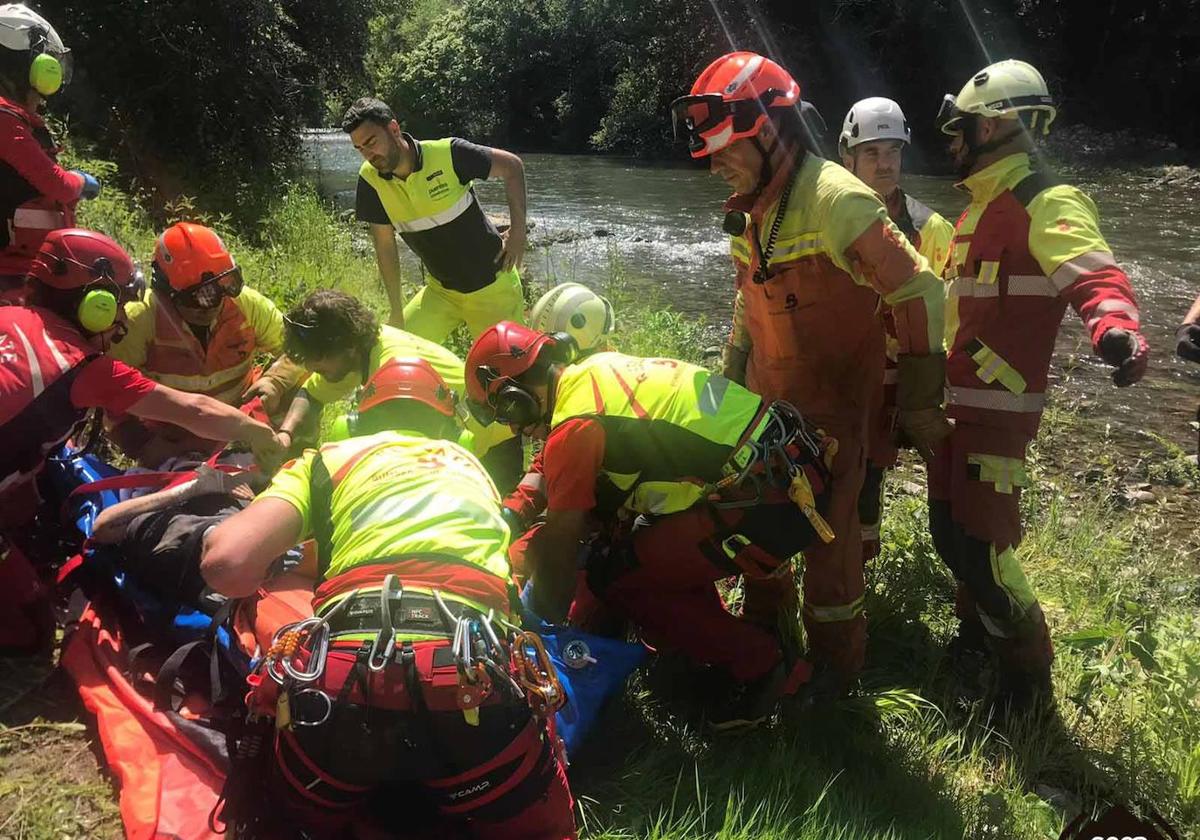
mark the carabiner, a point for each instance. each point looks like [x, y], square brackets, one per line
[314, 632]
[375, 662]
[296, 721]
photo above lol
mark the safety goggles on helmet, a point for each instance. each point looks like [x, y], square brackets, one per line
[700, 114]
[211, 289]
[949, 117]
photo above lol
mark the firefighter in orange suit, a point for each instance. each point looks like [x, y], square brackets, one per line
[1025, 249]
[814, 251]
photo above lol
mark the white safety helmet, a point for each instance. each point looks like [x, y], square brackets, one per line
[874, 118]
[576, 310]
[1004, 89]
[24, 30]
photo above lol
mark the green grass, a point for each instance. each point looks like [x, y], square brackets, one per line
[906, 757]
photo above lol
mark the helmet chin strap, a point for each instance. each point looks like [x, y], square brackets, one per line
[975, 151]
[766, 172]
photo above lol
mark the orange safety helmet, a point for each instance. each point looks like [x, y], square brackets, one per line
[730, 101]
[191, 261]
[407, 379]
[498, 357]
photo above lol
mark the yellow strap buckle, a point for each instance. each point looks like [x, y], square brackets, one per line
[801, 493]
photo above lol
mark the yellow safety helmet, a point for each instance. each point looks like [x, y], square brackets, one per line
[574, 309]
[1005, 88]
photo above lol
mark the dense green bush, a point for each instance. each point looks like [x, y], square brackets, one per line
[578, 75]
[206, 92]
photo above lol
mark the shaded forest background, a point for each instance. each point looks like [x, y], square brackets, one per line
[216, 92]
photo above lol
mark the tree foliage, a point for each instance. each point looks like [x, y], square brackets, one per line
[576, 75]
[213, 88]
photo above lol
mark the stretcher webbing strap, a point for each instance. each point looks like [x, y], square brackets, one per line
[164, 683]
[321, 486]
[836, 612]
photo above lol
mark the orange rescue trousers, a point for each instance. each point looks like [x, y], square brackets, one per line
[663, 579]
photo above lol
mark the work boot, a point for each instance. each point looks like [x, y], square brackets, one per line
[749, 704]
[1024, 678]
[970, 657]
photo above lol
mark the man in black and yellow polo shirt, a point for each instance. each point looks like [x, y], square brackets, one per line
[423, 190]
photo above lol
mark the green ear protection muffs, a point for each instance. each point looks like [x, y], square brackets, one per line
[45, 71]
[97, 310]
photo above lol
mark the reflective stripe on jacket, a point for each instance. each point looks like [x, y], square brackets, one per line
[40, 356]
[1025, 248]
[670, 427]
[392, 495]
[439, 217]
[811, 325]
[166, 349]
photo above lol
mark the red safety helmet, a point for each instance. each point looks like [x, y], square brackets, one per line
[407, 379]
[92, 265]
[193, 267]
[729, 101]
[73, 258]
[497, 359]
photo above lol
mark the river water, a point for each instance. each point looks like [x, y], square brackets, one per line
[662, 225]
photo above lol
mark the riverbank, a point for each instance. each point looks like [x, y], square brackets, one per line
[909, 756]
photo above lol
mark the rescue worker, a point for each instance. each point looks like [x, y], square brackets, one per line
[36, 194]
[1187, 337]
[422, 189]
[814, 251]
[709, 467]
[200, 329]
[577, 311]
[341, 341]
[52, 371]
[409, 538]
[871, 145]
[1026, 248]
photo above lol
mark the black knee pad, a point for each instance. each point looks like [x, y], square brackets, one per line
[947, 536]
[870, 498]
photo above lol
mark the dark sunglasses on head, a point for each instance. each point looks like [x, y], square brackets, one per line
[211, 289]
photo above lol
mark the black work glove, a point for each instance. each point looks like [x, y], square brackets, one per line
[1187, 342]
[1127, 352]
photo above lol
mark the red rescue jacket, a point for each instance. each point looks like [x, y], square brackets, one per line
[40, 356]
[36, 194]
[1023, 250]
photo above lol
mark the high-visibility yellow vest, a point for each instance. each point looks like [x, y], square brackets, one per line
[670, 427]
[394, 495]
